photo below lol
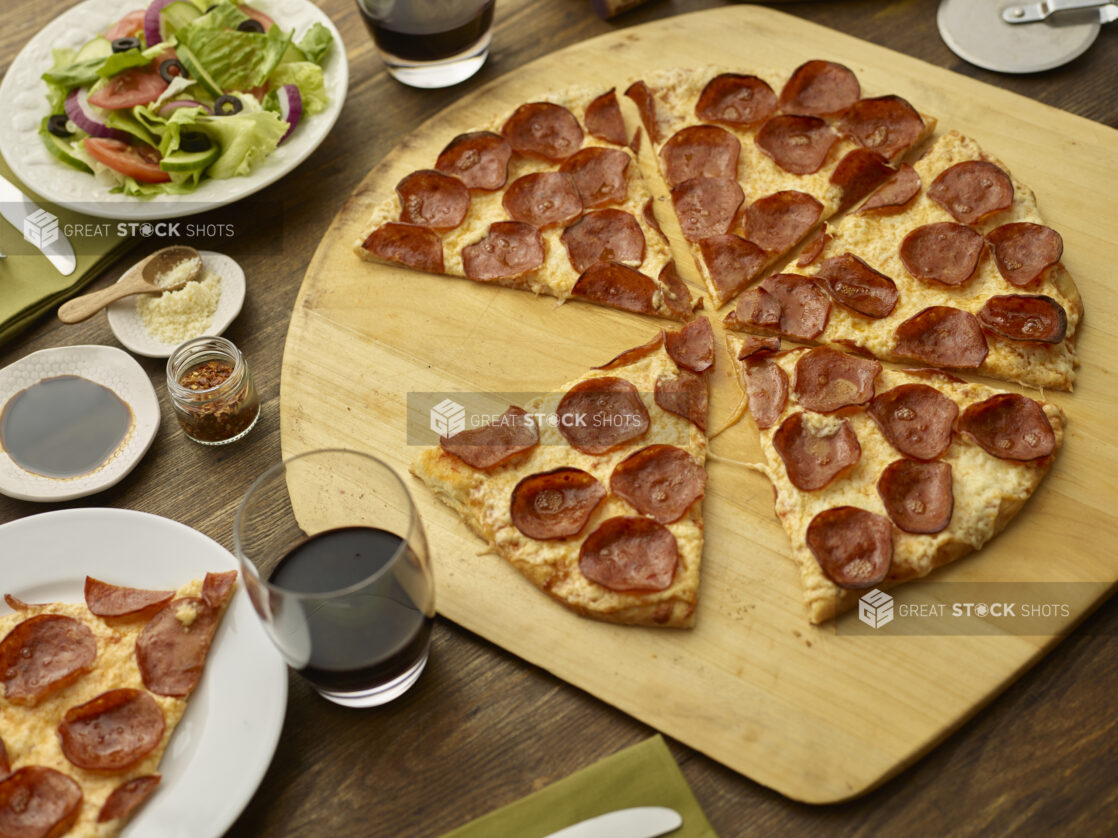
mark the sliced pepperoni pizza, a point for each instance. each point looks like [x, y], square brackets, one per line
[595, 493]
[540, 201]
[92, 693]
[882, 475]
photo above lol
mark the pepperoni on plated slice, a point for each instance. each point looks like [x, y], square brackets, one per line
[887, 124]
[1010, 427]
[943, 252]
[107, 600]
[112, 732]
[820, 88]
[1024, 251]
[684, 395]
[916, 419]
[631, 356]
[752, 345]
[854, 547]
[732, 262]
[856, 286]
[917, 496]
[541, 129]
[1026, 318]
[217, 587]
[642, 97]
[858, 173]
[790, 304]
[706, 206]
[692, 346]
[972, 190]
[555, 504]
[126, 797]
[776, 222]
[407, 244]
[798, 144]
[661, 481]
[608, 235]
[677, 296]
[603, 118]
[814, 247]
[599, 175]
[895, 193]
[630, 554]
[618, 286]
[735, 99]
[38, 802]
[766, 385]
[479, 159]
[828, 380]
[172, 648]
[943, 336]
[494, 444]
[17, 604]
[543, 199]
[43, 654]
[813, 459]
[508, 250]
[431, 199]
[700, 151]
[599, 414]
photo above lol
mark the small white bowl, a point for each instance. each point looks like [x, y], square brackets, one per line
[129, 329]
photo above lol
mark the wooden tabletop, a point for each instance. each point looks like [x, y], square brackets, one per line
[482, 728]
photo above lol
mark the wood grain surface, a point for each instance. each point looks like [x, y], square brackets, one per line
[482, 728]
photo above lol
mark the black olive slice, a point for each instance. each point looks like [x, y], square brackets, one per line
[57, 125]
[250, 26]
[227, 105]
[172, 67]
[125, 44]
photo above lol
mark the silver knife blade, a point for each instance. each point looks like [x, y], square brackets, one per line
[638, 822]
[37, 226]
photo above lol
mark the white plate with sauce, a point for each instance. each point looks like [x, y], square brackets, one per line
[218, 754]
[112, 369]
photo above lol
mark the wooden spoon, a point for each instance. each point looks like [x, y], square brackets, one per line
[141, 278]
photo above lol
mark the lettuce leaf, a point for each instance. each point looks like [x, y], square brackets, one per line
[308, 78]
[236, 60]
[246, 139]
[316, 43]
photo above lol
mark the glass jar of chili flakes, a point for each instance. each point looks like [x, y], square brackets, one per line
[212, 391]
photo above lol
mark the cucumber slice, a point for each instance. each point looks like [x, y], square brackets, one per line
[61, 148]
[190, 161]
[179, 15]
[97, 48]
[197, 71]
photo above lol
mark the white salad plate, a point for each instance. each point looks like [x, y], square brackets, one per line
[23, 93]
[219, 752]
[105, 365]
[128, 326]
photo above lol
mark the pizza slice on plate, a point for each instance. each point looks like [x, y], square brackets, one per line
[595, 493]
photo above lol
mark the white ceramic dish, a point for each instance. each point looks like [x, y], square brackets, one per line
[24, 96]
[107, 366]
[225, 741]
[129, 329]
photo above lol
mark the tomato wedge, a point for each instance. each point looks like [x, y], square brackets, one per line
[258, 16]
[126, 159]
[128, 26]
[137, 86]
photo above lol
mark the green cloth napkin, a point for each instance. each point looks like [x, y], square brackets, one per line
[642, 775]
[30, 286]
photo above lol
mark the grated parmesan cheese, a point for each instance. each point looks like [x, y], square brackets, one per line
[175, 316]
[179, 273]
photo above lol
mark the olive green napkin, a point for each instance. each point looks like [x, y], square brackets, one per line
[642, 775]
[30, 286]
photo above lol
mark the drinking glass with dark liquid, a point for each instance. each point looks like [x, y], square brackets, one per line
[335, 563]
[430, 43]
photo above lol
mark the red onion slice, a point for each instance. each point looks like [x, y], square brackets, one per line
[83, 114]
[291, 107]
[153, 22]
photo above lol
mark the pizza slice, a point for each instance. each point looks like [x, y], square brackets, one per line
[595, 493]
[882, 475]
[542, 201]
[755, 162]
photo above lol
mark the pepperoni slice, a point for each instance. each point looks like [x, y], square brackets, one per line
[895, 193]
[1026, 318]
[217, 588]
[650, 218]
[17, 604]
[820, 88]
[677, 296]
[916, 419]
[776, 222]
[706, 206]
[38, 802]
[479, 159]
[1024, 251]
[800, 306]
[887, 125]
[858, 173]
[684, 395]
[630, 554]
[599, 414]
[126, 797]
[700, 151]
[853, 547]
[734, 99]
[5, 764]
[43, 654]
[766, 385]
[798, 144]
[692, 346]
[642, 97]
[631, 356]
[917, 496]
[972, 190]
[543, 199]
[107, 600]
[856, 286]
[753, 345]
[555, 504]
[172, 648]
[828, 380]
[544, 130]
[599, 175]
[112, 732]
[944, 252]
[813, 459]
[661, 481]
[755, 308]
[508, 250]
[603, 118]
[732, 262]
[943, 336]
[1010, 427]
[618, 286]
[608, 235]
[431, 199]
[494, 444]
[813, 247]
[408, 245]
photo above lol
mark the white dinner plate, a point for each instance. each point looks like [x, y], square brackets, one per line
[225, 741]
[24, 96]
[105, 365]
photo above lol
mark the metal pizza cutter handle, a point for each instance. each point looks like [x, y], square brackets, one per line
[1035, 12]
